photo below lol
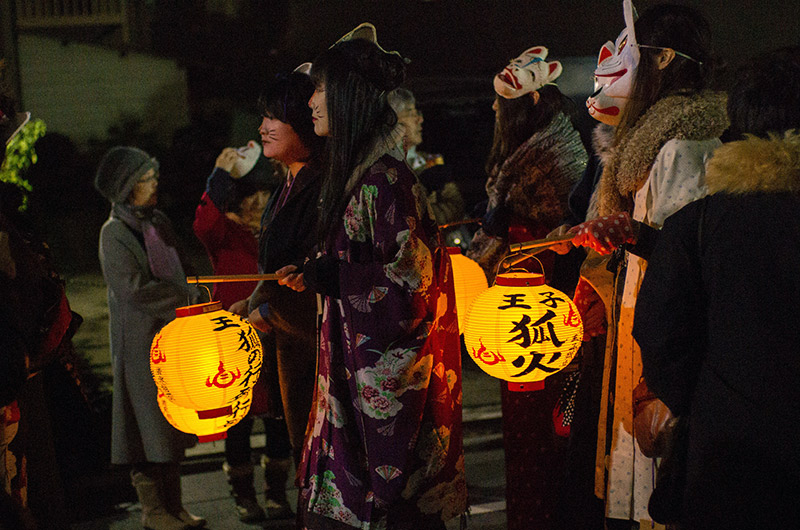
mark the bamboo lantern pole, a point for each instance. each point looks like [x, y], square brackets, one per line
[225, 278]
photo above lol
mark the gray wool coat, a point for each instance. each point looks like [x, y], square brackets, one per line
[139, 305]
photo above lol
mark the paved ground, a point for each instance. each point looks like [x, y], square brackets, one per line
[205, 490]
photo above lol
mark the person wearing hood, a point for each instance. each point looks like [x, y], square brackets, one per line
[145, 272]
[716, 317]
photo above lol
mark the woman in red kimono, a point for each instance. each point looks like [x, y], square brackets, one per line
[383, 447]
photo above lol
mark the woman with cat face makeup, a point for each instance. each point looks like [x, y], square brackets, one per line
[287, 318]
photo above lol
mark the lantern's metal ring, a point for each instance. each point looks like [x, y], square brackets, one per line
[520, 256]
[208, 292]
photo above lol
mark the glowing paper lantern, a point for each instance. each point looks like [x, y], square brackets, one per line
[206, 429]
[469, 281]
[206, 359]
[522, 330]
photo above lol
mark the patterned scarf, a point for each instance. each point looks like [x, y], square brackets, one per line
[159, 241]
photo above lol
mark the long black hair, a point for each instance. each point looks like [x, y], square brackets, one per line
[286, 99]
[357, 76]
[519, 118]
[686, 31]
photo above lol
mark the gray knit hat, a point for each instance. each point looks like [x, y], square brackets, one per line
[120, 169]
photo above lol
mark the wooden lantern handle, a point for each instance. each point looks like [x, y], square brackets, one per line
[225, 278]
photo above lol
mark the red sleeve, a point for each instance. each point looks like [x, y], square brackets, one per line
[209, 224]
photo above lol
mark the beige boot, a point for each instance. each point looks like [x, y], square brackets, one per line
[276, 474]
[240, 478]
[155, 515]
[171, 481]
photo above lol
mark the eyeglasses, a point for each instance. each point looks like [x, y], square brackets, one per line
[148, 178]
[679, 54]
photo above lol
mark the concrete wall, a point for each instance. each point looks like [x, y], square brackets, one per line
[81, 90]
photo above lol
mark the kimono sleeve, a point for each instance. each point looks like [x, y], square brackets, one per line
[387, 272]
[387, 290]
[670, 317]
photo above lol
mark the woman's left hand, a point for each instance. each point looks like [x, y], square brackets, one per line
[289, 277]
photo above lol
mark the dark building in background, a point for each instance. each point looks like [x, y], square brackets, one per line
[219, 53]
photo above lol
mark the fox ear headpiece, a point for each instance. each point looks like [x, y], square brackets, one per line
[527, 73]
[616, 69]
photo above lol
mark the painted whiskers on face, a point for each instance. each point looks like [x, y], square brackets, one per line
[280, 141]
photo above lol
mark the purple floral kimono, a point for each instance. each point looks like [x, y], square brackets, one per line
[383, 446]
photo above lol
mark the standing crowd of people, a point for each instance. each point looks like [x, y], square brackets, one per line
[674, 232]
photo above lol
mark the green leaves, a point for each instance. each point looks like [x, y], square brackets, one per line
[20, 155]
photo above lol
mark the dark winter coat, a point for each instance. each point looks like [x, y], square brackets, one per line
[717, 321]
[288, 235]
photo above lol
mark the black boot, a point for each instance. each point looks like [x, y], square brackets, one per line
[240, 479]
[276, 474]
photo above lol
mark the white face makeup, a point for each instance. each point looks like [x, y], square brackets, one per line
[319, 111]
[616, 69]
[145, 191]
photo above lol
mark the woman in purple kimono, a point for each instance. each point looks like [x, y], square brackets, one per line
[383, 447]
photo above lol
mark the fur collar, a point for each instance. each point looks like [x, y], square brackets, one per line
[603, 142]
[700, 116]
[756, 165]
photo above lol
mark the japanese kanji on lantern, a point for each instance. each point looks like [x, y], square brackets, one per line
[207, 429]
[206, 360]
[469, 281]
[521, 330]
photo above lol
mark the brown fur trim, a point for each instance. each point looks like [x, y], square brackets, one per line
[603, 142]
[756, 165]
[699, 116]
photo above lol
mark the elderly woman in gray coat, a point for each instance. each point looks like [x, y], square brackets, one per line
[146, 282]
